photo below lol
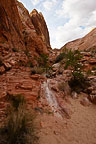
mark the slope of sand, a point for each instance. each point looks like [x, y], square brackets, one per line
[79, 129]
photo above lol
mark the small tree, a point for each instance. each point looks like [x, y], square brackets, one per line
[72, 58]
[59, 57]
[43, 60]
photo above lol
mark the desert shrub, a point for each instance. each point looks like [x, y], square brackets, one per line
[21, 63]
[59, 57]
[37, 70]
[16, 129]
[78, 82]
[89, 72]
[61, 86]
[43, 61]
[26, 51]
[72, 59]
[15, 50]
[94, 68]
[30, 64]
[2, 42]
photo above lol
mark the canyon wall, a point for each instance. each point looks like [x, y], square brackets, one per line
[10, 27]
[18, 30]
[40, 26]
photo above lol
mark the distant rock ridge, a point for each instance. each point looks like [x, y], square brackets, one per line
[88, 42]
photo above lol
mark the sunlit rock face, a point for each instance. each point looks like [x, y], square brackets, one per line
[17, 30]
[10, 26]
[19, 44]
[40, 26]
[34, 42]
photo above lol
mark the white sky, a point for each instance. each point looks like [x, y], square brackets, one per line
[66, 19]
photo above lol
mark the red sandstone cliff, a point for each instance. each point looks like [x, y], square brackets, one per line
[33, 42]
[20, 44]
[10, 27]
[17, 31]
[40, 26]
[20, 33]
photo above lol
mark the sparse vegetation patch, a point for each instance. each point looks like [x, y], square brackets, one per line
[19, 125]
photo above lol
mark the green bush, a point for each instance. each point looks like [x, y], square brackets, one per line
[15, 50]
[16, 129]
[30, 64]
[43, 61]
[78, 82]
[27, 52]
[21, 63]
[72, 59]
[89, 72]
[94, 68]
[59, 57]
[37, 70]
[2, 42]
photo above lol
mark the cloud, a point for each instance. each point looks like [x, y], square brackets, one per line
[82, 18]
[81, 8]
[35, 2]
[49, 4]
[66, 19]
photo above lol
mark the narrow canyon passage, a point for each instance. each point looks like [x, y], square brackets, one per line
[51, 82]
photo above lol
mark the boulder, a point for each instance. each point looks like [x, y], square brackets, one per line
[85, 101]
[7, 66]
[92, 98]
[55, 67]
[2, 69]
[92, 61]
[74, 95]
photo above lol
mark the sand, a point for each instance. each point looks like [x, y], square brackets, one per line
[79, 129]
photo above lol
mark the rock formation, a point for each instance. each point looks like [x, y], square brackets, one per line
[40, 26]
[20, 43]
[17, 31]
[24, 38]
[33, 41]
[88, 42]
[10, 27]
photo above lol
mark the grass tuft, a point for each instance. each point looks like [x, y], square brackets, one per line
[19, 126]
